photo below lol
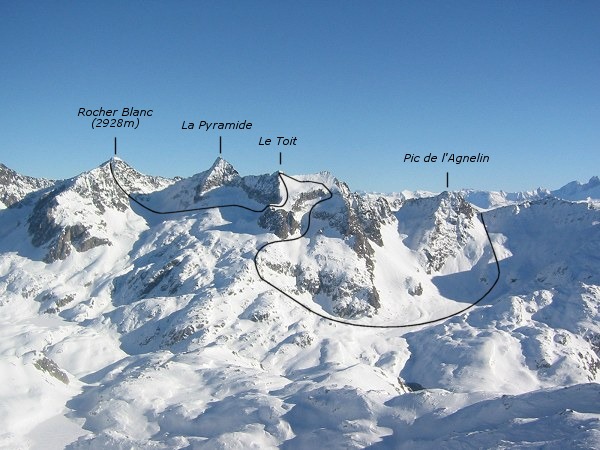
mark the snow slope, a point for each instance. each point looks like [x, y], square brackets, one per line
[123, 328]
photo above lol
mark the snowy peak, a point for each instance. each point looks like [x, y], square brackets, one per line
[14, 187]
[576, 191]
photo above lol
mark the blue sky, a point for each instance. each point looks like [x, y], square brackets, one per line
[359, 83]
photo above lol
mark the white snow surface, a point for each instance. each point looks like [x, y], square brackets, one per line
[166, 337]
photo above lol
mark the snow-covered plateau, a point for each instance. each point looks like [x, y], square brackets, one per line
[228, 311]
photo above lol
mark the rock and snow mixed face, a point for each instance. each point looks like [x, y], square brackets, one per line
[14, 187]
[126, 328]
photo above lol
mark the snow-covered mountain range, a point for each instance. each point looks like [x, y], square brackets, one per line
[229, 311]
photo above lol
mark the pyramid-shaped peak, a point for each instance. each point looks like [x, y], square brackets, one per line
[222, 166]
[220, 173]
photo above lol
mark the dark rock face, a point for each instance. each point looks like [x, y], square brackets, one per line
[413, 387]
[307, 281]
[450, 232]
[51, 368]
[73, 237]
[280, 222]
[303, 198]
[339, 289]
[60, 240]
[416, 291]
[55, 301]
[366, 217]
[103, 193]
[437, 227]
[42, 227]
[162, 275]
[263, 188]
[179, 334]
[359, 220]
[594, 340]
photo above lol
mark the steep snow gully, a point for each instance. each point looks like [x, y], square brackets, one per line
[329, 196]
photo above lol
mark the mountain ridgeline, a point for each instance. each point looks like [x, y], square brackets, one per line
[138, 282]
[335, 267]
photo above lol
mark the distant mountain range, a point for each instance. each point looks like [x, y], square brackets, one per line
[224, 311]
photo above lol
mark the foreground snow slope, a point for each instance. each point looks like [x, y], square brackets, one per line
[123, 328]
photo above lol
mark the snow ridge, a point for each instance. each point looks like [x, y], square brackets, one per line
[221, 175]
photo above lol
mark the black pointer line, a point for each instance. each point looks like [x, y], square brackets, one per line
[330, 195]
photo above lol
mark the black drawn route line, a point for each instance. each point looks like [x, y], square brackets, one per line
[329, 196]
